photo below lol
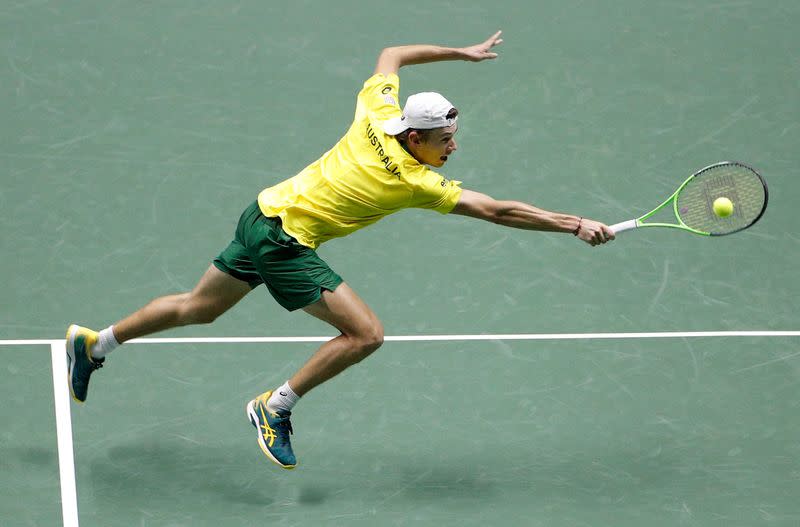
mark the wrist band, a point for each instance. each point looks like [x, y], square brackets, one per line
[578, 228]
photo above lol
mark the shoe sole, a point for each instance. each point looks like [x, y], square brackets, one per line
[251, 414]
[72, 332]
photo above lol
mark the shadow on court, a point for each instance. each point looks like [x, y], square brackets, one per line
[141, 473]
[616, 474]
[159, 472]
[28, 457]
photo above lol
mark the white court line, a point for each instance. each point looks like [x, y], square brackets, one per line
[512, 336]
[66, 461]
[439, 338]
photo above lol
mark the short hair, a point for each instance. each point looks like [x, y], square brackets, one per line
[424, 133]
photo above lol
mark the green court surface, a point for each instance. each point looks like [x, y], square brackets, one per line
[134, 134]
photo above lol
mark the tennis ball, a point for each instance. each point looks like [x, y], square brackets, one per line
[723, 207]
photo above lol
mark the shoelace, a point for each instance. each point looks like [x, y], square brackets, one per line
[284, 422]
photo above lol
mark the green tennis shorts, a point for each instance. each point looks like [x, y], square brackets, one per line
[262, 252]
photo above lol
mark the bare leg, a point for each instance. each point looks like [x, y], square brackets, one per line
[215, 293]
[362, 333]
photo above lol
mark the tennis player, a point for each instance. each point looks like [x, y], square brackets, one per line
[381, 165]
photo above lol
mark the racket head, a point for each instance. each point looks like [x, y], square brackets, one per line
[693, 202]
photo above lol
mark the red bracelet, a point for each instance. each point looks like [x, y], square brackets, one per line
[578, 228]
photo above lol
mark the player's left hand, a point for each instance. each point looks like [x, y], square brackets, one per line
[594, 232]
[481, 51]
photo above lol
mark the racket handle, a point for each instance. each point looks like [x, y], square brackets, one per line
[624, 226]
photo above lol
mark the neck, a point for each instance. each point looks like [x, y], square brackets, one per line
[408, 150]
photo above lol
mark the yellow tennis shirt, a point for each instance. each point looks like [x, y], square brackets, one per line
[367, 175]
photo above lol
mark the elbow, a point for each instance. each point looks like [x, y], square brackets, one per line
[488, 211]
[389, 54]
[494, 215]
[389, 61]
[482, 207]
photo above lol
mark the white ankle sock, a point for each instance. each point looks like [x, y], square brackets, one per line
[106, 343]
[283, 398]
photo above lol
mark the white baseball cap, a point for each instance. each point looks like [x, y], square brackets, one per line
[422, 111]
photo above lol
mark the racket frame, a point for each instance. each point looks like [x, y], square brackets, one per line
[639, 222]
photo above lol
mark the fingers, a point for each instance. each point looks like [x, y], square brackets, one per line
[495, 39]
[595, 233]
[597, 239]
[480, 52]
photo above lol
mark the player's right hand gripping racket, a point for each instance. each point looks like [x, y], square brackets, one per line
[693, 202]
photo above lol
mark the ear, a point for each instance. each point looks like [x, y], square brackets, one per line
[414, 137]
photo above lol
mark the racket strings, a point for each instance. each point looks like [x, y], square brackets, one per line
[743, 186]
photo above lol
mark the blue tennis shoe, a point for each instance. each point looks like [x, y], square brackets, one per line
[273, 429]
[80, 363]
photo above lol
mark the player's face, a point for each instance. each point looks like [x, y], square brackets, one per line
[436, 147]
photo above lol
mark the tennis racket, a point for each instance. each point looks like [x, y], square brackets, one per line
[693, 202]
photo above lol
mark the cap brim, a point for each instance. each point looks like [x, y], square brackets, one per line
[394, 126]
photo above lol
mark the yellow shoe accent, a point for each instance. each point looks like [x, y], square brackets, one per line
[267, 432]
[90, 338]
[81, 364]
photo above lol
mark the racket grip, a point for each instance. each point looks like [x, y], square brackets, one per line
[624, 226]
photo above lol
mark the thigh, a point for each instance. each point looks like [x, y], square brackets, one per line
[218, 291]
[346, 311]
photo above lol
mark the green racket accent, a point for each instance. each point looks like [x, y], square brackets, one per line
[692, 203]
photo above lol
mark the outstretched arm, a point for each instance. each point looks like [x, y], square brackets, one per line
[523, 216]
[392, 59]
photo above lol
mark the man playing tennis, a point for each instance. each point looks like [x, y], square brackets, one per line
[379, 167]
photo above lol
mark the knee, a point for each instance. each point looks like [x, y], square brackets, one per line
[368, 341]
[205, 316]
[194, 311]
